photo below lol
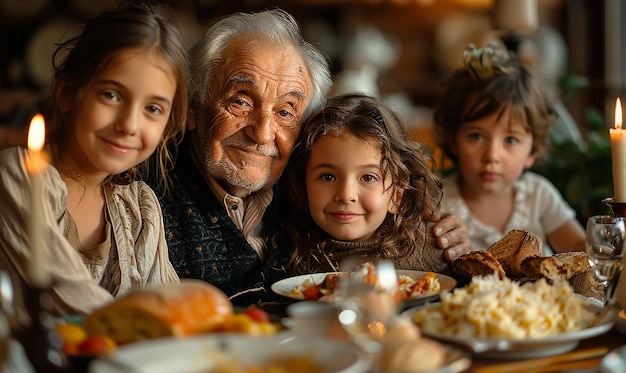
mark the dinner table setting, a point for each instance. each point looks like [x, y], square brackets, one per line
[364, 318]
[598, 347]
[363, 325]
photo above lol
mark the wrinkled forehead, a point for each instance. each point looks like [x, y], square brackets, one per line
[262, 61]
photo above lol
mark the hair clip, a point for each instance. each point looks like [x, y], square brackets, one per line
[482, 63]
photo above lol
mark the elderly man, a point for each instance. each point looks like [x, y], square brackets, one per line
[254, 81]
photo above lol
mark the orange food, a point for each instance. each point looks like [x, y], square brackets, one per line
[97, 345]
[71, 334]
[257, 314]
[408, 287]
[244, 323]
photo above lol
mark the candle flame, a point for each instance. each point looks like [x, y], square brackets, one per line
[36, 133]
[618, 114]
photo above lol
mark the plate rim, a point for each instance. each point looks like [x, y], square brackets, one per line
[320, 275]
[218, 341]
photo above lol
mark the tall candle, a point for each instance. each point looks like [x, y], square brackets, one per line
[618, 155]
[36, 163]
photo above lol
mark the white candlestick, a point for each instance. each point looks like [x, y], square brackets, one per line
[618, 155]
[36, 164]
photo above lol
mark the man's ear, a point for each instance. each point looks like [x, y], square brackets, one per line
[394, 204]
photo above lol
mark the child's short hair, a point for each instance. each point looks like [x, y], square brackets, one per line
[471, 94]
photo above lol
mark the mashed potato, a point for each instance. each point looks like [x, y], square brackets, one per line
[492, 307]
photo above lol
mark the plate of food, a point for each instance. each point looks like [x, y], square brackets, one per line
[235, 353]
[414, 286]
[500, 318]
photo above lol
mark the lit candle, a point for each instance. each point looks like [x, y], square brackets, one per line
[36, 163]
[618, 153]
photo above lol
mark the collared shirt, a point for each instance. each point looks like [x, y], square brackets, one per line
[246, 214]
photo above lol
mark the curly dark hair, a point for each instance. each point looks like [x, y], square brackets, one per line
[405, 161]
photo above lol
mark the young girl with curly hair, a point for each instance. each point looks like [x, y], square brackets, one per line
[360, 187]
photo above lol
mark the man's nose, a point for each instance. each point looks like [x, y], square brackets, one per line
[262, 127]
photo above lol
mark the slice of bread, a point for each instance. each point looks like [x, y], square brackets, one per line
[584, 283]
[477, 263]
[561, 266]
[513, 248]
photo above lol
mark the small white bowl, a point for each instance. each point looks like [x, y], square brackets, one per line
[614, 361]
[312, 318]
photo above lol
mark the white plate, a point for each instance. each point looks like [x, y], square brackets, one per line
[200, 354]
[507, 348]
[285, 287]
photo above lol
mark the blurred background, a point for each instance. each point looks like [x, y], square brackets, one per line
[398, 49]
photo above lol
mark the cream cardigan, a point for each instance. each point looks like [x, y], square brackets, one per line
[83, 279]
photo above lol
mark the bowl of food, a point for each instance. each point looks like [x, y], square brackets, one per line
[212, 353]
[501, 318]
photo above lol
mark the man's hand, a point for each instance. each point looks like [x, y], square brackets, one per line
[452, 235]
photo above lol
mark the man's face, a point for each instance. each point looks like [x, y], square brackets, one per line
[252, 119]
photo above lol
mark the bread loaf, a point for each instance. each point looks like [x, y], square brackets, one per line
[513, 248]
[419, 355]
[191, 307]
[477, 263]
[405, 350]
[561, 266]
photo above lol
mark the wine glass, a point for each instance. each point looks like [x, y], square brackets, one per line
[605, 245]
[367, 310]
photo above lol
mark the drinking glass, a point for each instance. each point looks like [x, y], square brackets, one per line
[605, 245]
[366, 310]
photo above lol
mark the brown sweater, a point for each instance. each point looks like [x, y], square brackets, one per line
[426, 257]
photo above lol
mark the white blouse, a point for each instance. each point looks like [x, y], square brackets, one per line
[539, 208]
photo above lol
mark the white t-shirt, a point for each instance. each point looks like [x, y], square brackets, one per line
[539, 208]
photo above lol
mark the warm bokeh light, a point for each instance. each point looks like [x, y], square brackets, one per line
[36, 133]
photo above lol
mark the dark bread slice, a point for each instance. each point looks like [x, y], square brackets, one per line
[561, 266]
[513, 248]
[584, 283]
[477, 263]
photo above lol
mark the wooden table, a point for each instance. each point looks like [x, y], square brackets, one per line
[612, 339]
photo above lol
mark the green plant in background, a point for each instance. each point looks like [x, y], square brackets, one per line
[581, 168]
